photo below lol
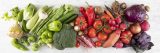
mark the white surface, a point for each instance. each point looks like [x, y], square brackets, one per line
[6, 5]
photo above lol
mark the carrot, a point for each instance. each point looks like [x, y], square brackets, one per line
[113, 38]
[110, 12]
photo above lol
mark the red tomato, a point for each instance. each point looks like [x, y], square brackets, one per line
[102, 36]
[107, 29]
[92, 33]
[81, 22]
[126, 36]
[105, 17]
[97, 24]
[77, 44]
[98, 44]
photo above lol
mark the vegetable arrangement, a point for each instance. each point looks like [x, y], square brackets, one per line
[119, 26]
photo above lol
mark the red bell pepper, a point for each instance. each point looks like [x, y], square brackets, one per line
[83, 12]
[90, 15]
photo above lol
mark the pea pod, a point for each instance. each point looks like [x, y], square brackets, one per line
[19, 46]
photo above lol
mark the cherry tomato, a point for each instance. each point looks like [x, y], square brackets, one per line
[97, 24]
[92, 33]
[102, 36]
[98, 44]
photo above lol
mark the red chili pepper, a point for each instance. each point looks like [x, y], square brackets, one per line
[83, 12]
[90, 15]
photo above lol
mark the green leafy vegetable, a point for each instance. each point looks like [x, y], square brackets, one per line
[65, 38]
[29, 11]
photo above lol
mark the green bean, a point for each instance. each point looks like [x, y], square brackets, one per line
[19, 46]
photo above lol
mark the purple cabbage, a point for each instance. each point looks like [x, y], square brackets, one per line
[142, 41]
[135, 13]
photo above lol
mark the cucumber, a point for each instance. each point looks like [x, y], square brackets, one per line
[66, 16]
[71, 19]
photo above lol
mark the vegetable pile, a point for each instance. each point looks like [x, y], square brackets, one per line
[117, 26]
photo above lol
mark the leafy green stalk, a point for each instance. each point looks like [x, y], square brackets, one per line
[29, 11]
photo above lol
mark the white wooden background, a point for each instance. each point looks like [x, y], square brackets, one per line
[6, 5]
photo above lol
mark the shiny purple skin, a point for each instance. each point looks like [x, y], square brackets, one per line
[135, 13]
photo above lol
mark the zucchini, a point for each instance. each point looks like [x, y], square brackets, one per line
[71, 19]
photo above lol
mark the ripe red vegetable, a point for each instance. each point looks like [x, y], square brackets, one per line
[145, 25]
[83, 12]
[107, 29]
[113, 38]
[122, 26]
[97, 24]
[92, 33]
[98, 44]
[111, 22]
[105, 18]
[118, 20]
[77, 44]
[118, 44]
[126, 37]
[90, 15]
[81, 22]
[102, 36]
